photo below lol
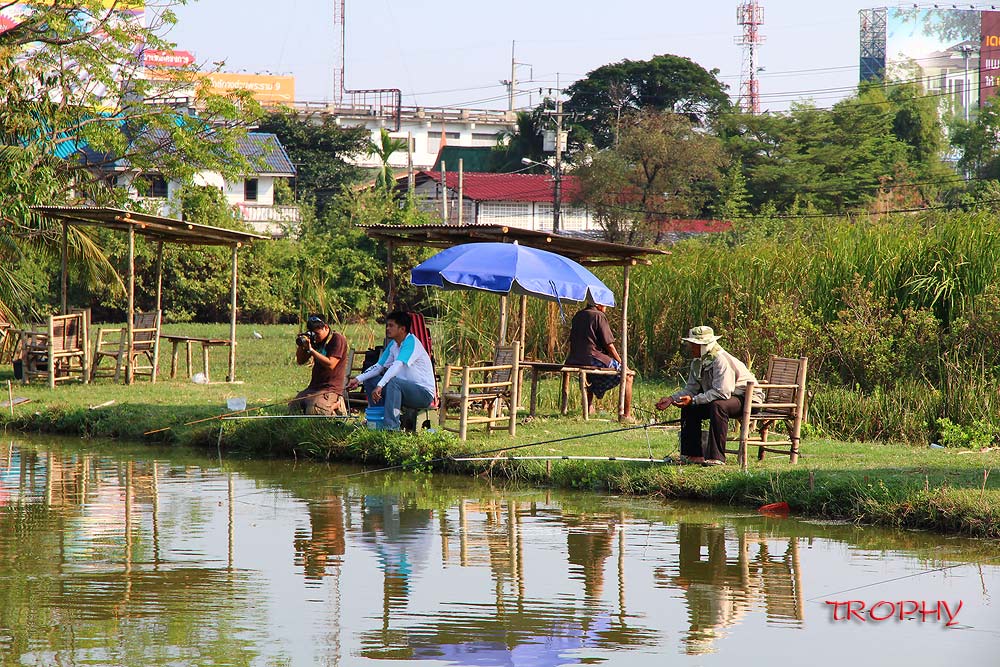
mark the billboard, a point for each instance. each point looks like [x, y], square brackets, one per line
[265, 88]
[953, 54]
[152, 58]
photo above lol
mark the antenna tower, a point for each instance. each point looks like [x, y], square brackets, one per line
[750, 15]
[339, 29]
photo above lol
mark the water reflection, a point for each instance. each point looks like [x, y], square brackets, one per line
[111, 557]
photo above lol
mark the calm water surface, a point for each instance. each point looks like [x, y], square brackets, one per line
[111, 555]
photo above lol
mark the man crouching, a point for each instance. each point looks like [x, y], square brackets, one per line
[326, 350]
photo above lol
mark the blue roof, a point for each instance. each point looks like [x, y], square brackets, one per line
[265, 146]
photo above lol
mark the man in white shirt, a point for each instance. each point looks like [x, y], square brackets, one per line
[403, 374]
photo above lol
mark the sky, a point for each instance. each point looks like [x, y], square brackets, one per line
[454, 54]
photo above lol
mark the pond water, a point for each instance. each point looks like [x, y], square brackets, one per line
[113, 554]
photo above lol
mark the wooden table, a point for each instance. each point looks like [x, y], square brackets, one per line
[539, 367]
[206, 345]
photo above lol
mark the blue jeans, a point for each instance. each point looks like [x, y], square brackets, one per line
[395, 395]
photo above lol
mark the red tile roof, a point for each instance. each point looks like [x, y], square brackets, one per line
[507, 187]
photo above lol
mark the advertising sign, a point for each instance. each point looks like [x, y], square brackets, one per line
[154, 59]
[264, 87]
[989, 57]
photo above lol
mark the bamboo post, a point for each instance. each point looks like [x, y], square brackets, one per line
[64, 278]
[130, 314]
[745, 425]
[624, 351]
[390, 285]
[50, 346]
[463, 417]
[10, 398]
[799, 409]
[443, 406]
[410, 180]
[461, 183]
[584, 398]
[514, 390]
[159, 276]
[231, 377]
[444, 191]
[523, 323]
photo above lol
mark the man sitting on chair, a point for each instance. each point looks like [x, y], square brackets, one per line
[715, 390]
[403, 374]
[591, 343]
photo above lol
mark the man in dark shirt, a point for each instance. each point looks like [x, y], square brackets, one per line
[326, 349]
[591, 343]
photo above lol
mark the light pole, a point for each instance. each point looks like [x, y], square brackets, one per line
[967, 50]
[556, 189]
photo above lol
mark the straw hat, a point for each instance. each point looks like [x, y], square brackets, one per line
[701, 336]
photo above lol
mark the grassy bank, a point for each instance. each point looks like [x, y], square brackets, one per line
[949, 490]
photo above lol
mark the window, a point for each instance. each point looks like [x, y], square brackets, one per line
[250, 189]
[151, 185]
[485, 139]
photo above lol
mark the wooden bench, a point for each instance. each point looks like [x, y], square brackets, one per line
[188, 341]
[539, 367]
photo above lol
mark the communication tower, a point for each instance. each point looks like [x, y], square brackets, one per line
[339, 28]
[750, 15]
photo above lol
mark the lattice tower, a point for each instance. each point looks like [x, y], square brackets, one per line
[750, 15]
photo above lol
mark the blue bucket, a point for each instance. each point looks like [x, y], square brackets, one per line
[375, 416]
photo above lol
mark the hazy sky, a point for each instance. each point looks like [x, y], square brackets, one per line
[450, 53]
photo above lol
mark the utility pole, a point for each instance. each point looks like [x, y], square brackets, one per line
[557, 175]
[560, 143]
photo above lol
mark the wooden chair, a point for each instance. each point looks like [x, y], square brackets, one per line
[57, 353]
[111, 344]
[10, 340]
[357, 362]
[784, 388]
[496, 388]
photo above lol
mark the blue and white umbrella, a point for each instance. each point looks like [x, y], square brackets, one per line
[510, 268]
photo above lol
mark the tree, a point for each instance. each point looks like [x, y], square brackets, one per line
[978, 143]
[662, 167]
[75, 100]
[611, 93]
[384, 150]
[320, 150]
[524, 141]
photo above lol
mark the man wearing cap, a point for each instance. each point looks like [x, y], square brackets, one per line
[591, 343]
[326, 350]
[715, 390]
[403, 374]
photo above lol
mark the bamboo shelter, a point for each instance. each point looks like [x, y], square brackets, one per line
[585, 251]
[162, 230]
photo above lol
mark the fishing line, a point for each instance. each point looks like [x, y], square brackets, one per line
[900, 578]
[513, 447]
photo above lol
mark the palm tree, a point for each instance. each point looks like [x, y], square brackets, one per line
[384, 150]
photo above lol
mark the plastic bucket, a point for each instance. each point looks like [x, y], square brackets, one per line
[375, 416]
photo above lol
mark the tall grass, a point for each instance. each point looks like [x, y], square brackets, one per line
[873, 303]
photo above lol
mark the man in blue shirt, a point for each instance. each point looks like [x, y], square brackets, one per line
[403, 374]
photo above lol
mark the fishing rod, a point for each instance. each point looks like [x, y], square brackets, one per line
[529, 444]
[235, 412]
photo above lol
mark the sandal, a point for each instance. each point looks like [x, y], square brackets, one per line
[691, 461]
[708, 463]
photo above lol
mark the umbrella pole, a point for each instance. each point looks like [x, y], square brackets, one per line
[523, 322]
[503, 320]
[624, 350]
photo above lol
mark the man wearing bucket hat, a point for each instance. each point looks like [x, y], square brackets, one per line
[326, 349]
[715, 390]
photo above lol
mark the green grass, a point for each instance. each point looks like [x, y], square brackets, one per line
[888, 484]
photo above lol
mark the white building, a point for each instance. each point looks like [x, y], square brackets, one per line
[525, 201]
[252, 196]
